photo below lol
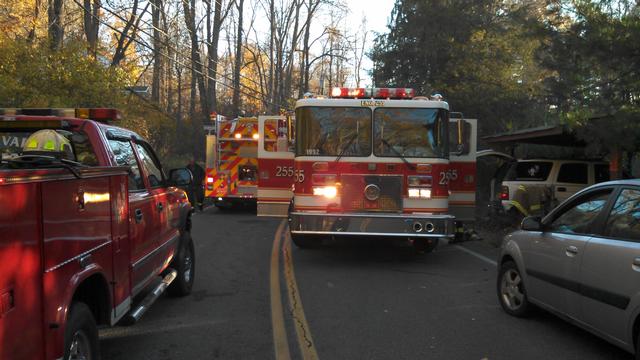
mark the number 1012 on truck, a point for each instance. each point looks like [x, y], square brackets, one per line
[379, 163]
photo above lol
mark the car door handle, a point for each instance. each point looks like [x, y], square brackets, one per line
[571, 251]
[636, 264]
[159, 206]
[561, 189]
[138, 215]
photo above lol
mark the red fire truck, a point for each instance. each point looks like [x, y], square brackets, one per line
[89, 236]
[371, 163]
[232, 161]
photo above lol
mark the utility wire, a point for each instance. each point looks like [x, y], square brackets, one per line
[187, 66]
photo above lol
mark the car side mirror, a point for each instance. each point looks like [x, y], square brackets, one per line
[180, 177]
[532, 223]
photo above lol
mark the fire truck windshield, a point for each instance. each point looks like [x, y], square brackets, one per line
[333, 131]
[411, 132]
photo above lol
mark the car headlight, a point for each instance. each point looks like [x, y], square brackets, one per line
[327, 191]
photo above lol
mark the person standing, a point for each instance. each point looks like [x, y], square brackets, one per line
[196, 189]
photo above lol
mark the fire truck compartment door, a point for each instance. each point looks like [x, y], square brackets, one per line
[461, 176]
[275, 167]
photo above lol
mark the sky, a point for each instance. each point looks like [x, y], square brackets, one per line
[377, 13]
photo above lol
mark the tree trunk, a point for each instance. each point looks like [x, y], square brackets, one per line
[158, 54]
[56, 29]
[92, 24]
[238, 61]
[196, 60]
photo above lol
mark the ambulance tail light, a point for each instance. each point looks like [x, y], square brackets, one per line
[210, 183]
[504, 193]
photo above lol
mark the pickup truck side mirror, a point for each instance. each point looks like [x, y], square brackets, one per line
[532, 223]
[180, 177]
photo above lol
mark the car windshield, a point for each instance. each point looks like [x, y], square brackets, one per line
[529, 171]
[411, 132]
[333, 131]
[12, 142]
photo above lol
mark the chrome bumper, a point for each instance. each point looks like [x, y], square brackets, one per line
[392, 225]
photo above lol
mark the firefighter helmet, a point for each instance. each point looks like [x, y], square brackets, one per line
[48, 142]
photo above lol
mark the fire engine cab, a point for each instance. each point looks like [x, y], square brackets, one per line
[375, 162]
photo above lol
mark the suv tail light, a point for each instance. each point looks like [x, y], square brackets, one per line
[504, 193]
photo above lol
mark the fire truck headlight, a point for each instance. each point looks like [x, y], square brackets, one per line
[237, 135]
[420, 193]
[256, 136]
[327, 191]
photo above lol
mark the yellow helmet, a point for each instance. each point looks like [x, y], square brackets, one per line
[48, 142]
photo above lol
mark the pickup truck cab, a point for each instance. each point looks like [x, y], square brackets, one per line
[88, 241]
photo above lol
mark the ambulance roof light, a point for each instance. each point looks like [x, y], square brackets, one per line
[373, 93]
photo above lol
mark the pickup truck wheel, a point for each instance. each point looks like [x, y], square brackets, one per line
[185, 265]
[511, 291]
[81, 334]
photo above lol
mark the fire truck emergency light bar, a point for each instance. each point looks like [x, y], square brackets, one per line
[104, 115]
[373, 93]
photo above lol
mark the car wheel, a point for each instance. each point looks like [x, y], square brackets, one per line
[185, 265]
[306, 241]
[511, 291]
[81, 334]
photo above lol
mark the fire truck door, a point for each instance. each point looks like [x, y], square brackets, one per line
[462, 171]
[275, 166]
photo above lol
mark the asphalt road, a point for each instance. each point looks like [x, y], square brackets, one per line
[345, 300]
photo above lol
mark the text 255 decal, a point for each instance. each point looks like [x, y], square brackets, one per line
[289, 171]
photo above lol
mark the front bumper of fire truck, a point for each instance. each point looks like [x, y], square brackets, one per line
[366, 224]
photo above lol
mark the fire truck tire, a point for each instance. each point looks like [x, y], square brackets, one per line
[306, 241]
[81, 334]
[185, 265]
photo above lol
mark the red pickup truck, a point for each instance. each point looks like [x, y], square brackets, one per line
[88, 240]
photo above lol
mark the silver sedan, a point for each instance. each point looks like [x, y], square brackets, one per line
[582, 262]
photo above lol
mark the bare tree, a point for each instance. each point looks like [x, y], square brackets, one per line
[92, 24]
[238, 60]
[56, 27]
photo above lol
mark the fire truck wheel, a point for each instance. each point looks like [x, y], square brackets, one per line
[306, 241]
[81, 334]
[185, 264]
[424, 246]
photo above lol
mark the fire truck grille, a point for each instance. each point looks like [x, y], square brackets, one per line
[371, 193]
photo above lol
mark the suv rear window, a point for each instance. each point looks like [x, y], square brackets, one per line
[529, 171]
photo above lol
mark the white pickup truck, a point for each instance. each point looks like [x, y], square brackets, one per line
[559, 178]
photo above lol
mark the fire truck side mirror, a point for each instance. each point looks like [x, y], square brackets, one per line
[463, 140]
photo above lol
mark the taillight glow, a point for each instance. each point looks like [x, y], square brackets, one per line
[209, 180]
[504, 194]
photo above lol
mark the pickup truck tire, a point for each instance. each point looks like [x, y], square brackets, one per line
[81, 334]
[185, 265]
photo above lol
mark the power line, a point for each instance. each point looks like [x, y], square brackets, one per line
[189, 67]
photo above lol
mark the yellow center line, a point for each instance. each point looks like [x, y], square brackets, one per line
[281, 345]
[305, 341]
